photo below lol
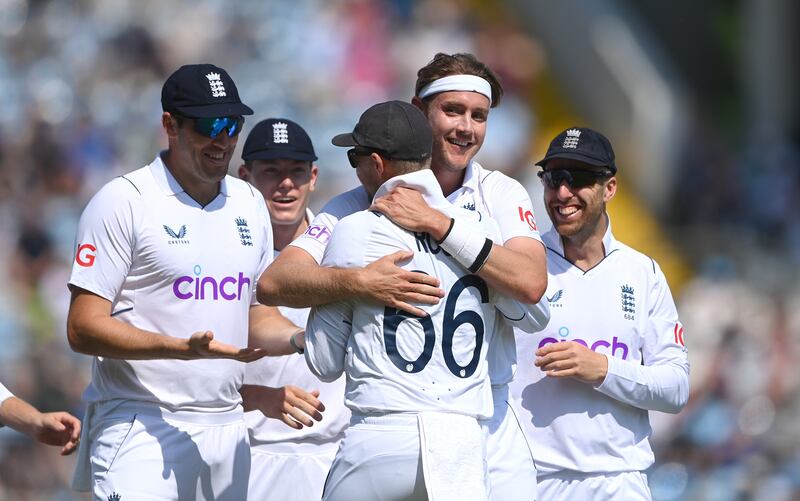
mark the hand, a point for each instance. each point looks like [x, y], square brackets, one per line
[571, 359]
[290, 404]
[58, 428]
[203, 345]
[385, 282]
[407, 209]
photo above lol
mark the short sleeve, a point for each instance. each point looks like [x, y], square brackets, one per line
[4, 393]
[268, 253]
[510, 205]
[105, 241]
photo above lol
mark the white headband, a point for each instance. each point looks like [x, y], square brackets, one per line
[469, 83]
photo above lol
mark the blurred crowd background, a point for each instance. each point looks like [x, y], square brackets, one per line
[699, 99]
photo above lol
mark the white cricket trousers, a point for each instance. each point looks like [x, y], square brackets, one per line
[289, 476]
[140, 451]
[622, 486]
[512, 471]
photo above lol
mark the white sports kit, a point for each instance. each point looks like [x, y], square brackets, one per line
[4, 393]
[279, 452]
[170, 429]
[512, 472]
[623, 309]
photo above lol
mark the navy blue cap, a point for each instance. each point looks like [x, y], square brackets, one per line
[581, 144]
[278, 138]
[397, 129]
[202, 91]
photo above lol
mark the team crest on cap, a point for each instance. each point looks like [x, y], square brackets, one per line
[571, 141]
[280, 133]
[217, 88]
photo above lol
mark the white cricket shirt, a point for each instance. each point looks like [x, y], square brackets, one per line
[504, 199]
[623, 309]
[171, 266]
[396, 362]
[272, 435]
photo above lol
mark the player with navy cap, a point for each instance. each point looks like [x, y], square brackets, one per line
[163, 296]
[416, 386]
[279, 160]
[614, 348]
[456, 93]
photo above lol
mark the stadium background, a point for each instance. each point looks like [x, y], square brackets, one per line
[699, 99]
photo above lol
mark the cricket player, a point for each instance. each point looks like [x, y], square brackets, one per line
[162, 284]
[416, 386]
[50, 428]
[456, 93]
[285, 443]
[614, 349]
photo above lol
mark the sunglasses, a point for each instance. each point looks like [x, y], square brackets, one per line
[575, 178]
[352, 155]
[211, 127]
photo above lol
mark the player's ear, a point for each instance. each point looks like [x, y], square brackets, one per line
[416, 101]
[610, 189]
[380, 163]
[169, 123]
[312, 183]
[244, 173]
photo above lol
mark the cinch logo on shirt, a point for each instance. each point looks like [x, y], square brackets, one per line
[527, 217]
[85, 255]
[201, 288]
[319, 232]
[614, 345]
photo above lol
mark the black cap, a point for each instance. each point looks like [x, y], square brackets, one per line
[582, 144]
[202, 91]
[395, 128]
[278, 138]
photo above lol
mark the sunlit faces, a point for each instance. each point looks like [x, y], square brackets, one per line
[209, 157]
[577, 211]
[285, 184]
[458, 120]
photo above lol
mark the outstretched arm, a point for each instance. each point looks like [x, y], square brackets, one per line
[295, 279]
[92, 330]
[51, 428]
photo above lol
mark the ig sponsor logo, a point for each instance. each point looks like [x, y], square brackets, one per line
[200, 288]
[85, 255]
[615, 348]
[526, 216]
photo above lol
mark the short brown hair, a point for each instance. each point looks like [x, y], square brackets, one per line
[408, 166]
[443, 65]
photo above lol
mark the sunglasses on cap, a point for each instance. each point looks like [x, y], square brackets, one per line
[359, 152]
[575, 178]
[211, 127]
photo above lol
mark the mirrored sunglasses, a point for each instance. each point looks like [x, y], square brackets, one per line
[575, 178]
[211, 127]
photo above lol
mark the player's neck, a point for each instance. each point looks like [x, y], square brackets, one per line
[201, 191]
[449, 179]
[585, 249]
[284, 234]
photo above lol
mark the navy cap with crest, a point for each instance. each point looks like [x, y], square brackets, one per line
[582, 144]
[202, 91]
[397, 129]
[278, 138]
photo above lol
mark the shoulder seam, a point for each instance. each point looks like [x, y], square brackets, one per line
[132, 184]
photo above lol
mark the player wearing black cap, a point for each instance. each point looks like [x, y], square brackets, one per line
[614, 348]
[166, 262]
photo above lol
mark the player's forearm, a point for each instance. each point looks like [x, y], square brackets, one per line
[515, 275]
[108, 337]
[305, 285]
[20, 415]
[662, 388]
[271, 331]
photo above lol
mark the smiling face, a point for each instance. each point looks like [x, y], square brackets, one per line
[577, 213]
[458, 120]
[285, 184]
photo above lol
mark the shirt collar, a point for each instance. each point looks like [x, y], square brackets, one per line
[167, 182]
[423, 181]
[553, 240]
[472, 176]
